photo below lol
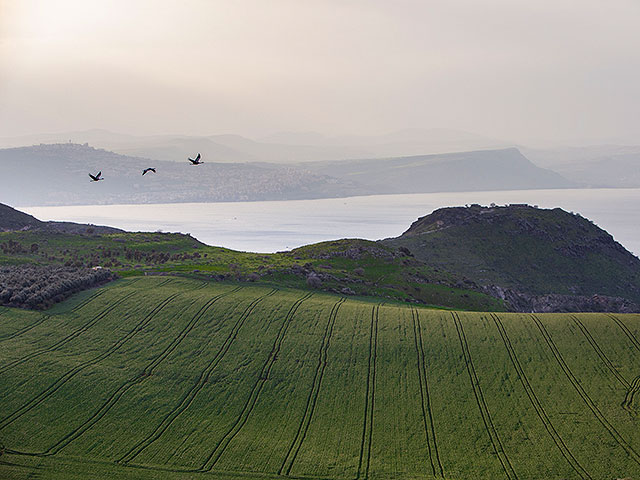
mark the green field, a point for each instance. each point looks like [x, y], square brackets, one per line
[174, 378]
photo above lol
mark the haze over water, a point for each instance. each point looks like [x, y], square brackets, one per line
[273, 226]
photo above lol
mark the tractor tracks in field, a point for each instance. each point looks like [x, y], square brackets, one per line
[482, 404]
[296, 444]
[631, 388]
[599, 352]
[146, 373]
[87, 300]
[101, 291]
[24, 329]
[77, 332]
[189, 397]
[223, 443]
[634, 388]
[42, 396]
[427, 414]
[364, 462]
[535, 402]
[75, 309]
[626, 331]
[583, 394]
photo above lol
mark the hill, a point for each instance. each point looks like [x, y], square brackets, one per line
[286, 147]
[12, 220]
[532, 251]
[505, 169]
[610, 166]
[156, 378]
[56, 174]
[518, 258]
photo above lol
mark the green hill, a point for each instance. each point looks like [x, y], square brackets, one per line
[171, 378]
[352, 267]
[533, 251]
[517, 258]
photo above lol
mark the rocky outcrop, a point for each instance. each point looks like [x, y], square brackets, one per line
[555, 303]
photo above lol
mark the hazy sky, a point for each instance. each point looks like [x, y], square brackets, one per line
[511, 69]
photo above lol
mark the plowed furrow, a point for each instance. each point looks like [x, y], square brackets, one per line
[203, 379]
[221, 446]
[24, 329]
[603, 357]
[79, 331]
[364, 461]
[583, 394]
[626, 331]
[535, 402]
[296, 444]
[42, 396]
[427, 413]
[146, 373]
[482, 405]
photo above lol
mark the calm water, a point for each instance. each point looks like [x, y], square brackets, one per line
[273, 226]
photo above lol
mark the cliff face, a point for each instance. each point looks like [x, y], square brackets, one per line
[550, 260]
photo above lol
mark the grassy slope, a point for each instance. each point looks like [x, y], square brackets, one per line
[168, 375]
[533, 250]
[384, 273]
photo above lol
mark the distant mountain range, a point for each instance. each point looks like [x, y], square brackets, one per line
[611, 166]
[505, 169]
[57, 174]
[616, 166]
[279, 148]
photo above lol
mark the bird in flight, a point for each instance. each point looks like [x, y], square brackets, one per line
[147, 170]
[195, 161]
[96, 178]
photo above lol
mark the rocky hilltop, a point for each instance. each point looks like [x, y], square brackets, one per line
[535, 259]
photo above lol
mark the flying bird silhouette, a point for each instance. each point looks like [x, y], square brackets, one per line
[96, 178]
[195, 161]
[146, 170]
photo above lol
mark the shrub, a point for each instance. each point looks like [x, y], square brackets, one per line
[39, 287]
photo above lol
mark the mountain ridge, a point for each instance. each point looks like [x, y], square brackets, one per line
[57, 175]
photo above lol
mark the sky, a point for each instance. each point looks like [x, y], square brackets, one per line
[525, 71]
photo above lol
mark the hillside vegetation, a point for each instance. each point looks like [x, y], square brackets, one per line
[533, 251]
[350, 267]
[171, 378]
[517, 257]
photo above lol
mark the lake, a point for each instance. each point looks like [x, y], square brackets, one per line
[273, 226]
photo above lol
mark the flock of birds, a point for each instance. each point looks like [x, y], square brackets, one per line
[194, 161]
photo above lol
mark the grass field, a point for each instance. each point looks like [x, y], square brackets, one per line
[173, 378]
